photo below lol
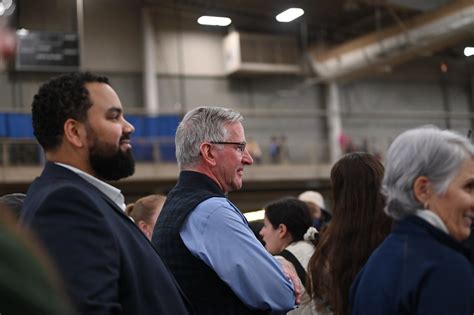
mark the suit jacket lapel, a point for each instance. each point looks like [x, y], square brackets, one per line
[57, 171]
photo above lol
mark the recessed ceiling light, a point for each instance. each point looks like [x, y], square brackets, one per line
[6, 7]
[214, 20]
[468, 51]
[289, 15]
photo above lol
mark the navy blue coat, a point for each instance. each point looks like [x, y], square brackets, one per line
[107, 264]
[418, 269]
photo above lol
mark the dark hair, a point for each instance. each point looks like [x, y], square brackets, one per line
[291, 212]
[13, 203]
[358, 226]
[59, 99]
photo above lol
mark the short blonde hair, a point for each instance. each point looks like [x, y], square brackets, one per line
[144, 208]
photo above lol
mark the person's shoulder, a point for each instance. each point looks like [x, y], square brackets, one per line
[217, 209]
[213, 204]
[61, 188]
[60, 194]
[301, 247]
[441, 259]
[454, 259]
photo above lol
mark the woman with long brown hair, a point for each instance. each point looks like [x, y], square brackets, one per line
[358, 226]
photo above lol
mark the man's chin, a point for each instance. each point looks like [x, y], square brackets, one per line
[237, 186]
[115, 167]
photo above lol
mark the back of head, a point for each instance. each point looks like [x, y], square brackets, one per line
[199, 125]
[61, 98]
[425, 151]
[316, 201]
[13, 203]
[291, 212]
[358, 226]
[314, 197]
[356, 184]
[144, 209]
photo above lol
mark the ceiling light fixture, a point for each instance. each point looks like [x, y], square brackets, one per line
[6, 7]
[289, 15]
[214, 20]
[468, 51]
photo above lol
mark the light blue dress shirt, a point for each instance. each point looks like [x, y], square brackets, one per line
[218, 234]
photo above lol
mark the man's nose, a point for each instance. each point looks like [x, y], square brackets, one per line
[128, 127]
[247, 158]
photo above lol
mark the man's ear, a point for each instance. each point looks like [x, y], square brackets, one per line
[282, 230]
[422, 189]
[145, 228]
[74, 133]
[207, 153]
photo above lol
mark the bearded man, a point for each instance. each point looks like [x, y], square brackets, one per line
[107, 264]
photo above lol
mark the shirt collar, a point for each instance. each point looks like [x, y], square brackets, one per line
[432, 218]
[110, 191]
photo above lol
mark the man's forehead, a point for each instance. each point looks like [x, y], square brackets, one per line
[98, 87]
[103, 95]
[237, 125]
[235, 128]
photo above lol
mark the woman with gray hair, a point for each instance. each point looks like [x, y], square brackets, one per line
[422, 267]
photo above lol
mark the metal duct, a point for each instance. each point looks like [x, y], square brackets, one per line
[394, 45]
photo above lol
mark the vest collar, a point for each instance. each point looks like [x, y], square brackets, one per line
[192, 179]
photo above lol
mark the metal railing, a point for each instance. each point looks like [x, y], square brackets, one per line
[27, 151]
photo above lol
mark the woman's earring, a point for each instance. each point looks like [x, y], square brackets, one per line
[426, 205]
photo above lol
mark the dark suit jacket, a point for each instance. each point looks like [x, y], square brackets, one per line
[108, 265]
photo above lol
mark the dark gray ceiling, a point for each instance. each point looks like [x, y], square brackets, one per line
[332, 21]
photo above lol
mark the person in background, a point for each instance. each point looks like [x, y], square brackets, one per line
[422, 267]
[7, 39]
[204, 238]
[145, 212]
[274, 150]
[320, 215]
[107, 264]
[13, 203]
[357, 227]
[255, 151]
[287, 231]
[284, 149]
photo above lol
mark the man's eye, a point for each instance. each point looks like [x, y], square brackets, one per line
[470, 186]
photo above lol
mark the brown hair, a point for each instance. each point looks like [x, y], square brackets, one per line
[144, 208]
[358, 226]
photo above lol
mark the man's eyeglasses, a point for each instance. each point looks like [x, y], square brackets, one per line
[240, 145]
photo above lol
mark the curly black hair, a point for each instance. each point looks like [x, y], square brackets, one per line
[59, 99]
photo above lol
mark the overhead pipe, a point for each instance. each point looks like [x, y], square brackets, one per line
[397, 44]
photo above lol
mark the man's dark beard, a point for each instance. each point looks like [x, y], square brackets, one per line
[107, 163]
[113, 167]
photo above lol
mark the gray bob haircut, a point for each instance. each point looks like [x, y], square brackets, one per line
[425, 151]
[199, 125]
